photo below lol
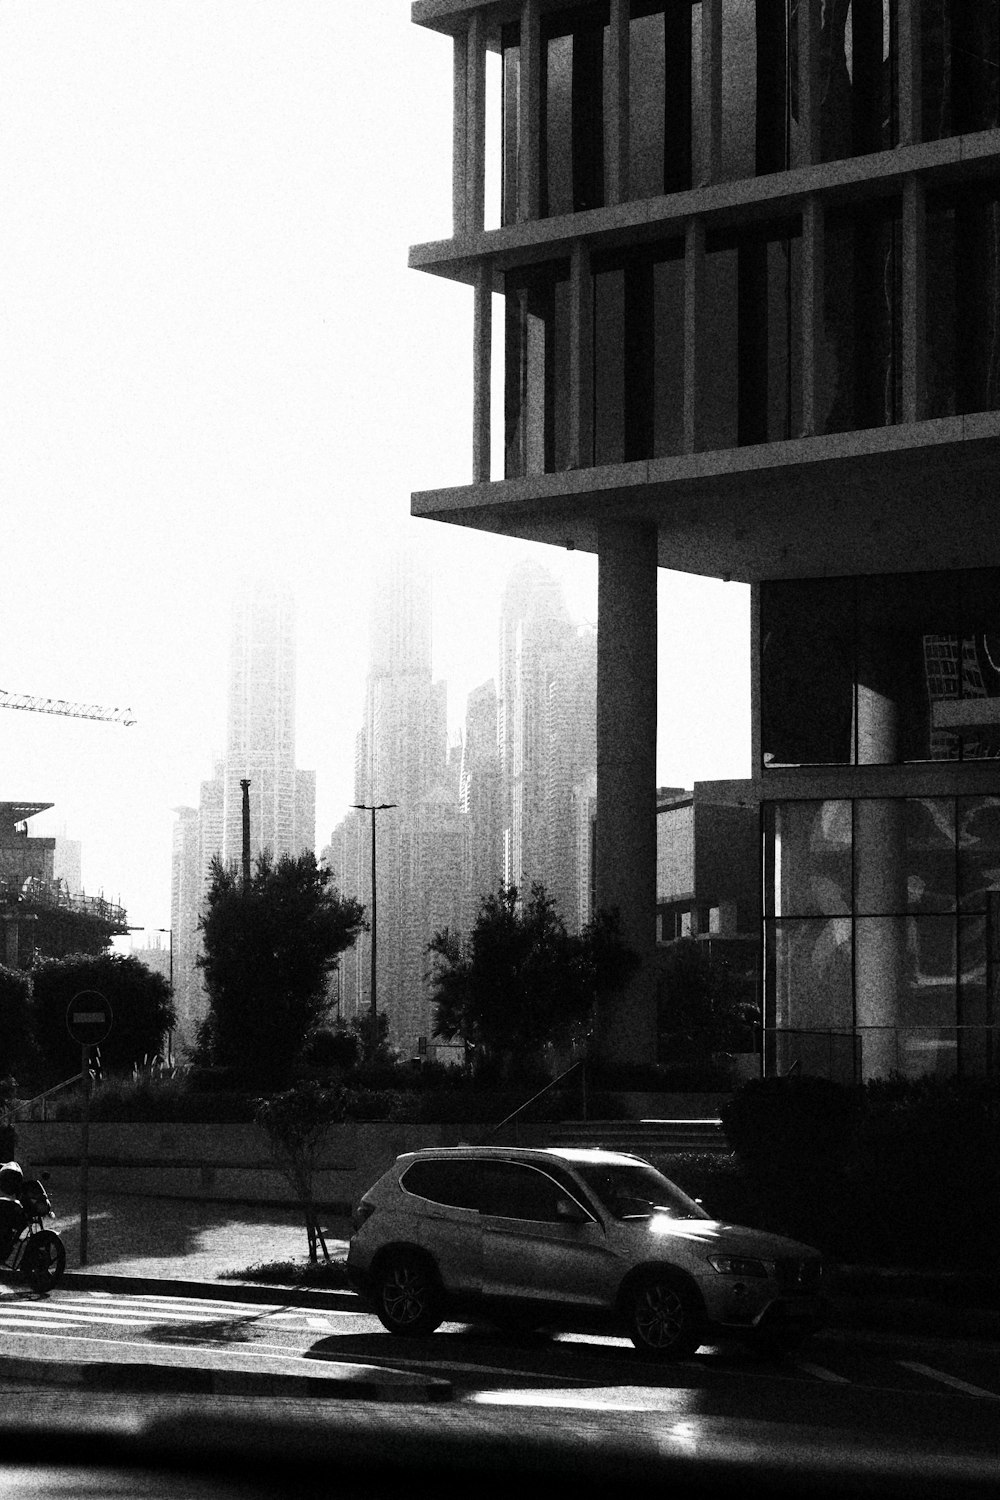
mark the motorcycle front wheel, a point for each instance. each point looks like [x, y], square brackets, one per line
[44, 1260]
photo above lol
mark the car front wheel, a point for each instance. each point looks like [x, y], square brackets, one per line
[665, 1318]
[407, 1299]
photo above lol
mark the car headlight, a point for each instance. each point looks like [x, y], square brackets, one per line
[737, 1265]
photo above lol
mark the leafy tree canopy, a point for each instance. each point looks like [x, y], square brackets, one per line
[296, 1123]
[140, 1001]
[18, 1052]
[520, 982]
[268, 952]
[707, 1004]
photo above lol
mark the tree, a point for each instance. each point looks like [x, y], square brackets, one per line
[521, 983]
[268, 952]
[140, 999]
[18, 1051]
[707, 1003]
[295, 1123]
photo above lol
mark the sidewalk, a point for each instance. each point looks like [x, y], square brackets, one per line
[183, 1239]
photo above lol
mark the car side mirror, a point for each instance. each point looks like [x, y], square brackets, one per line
[569, 1212]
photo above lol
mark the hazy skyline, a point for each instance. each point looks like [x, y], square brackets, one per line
[217, 365]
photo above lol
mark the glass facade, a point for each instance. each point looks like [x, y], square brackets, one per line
[881, 940]
[960, 58]
[963, 270]
[537, 369]
[881, 670]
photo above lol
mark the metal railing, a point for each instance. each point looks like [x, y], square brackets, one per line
[25, 1109]
[515, 1114]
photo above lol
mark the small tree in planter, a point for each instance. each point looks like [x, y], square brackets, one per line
[295, 1123]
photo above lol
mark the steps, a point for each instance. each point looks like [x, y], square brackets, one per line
[640, 1136]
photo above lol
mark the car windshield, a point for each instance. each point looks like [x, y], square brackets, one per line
[634, 1190]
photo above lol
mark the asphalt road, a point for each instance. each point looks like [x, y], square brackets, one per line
[907, 1389]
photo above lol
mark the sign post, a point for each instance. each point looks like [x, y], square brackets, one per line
[88, 1021]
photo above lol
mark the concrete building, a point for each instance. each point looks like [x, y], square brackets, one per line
[39, 912]
[742, 261]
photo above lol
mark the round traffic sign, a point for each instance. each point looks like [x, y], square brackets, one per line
[89, 1018]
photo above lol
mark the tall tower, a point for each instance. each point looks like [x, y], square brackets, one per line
[260, 730]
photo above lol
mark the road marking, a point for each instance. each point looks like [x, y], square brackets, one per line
[821, 1372]
[952, 1380]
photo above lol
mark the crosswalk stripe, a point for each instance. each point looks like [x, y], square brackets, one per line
[952, 1380]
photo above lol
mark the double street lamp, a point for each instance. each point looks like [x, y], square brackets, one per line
[373, 808]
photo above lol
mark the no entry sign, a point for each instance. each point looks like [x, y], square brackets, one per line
[88, 1018]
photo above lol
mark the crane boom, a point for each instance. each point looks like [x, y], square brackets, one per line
[61, 706]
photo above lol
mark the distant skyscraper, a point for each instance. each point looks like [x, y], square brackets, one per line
[546, 734]
[479, 799]
[401, 758]
[260, 736]
[260, 747]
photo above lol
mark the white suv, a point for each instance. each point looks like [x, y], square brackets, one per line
[572, 1238]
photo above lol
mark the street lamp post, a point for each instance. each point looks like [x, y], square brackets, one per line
[373, 808]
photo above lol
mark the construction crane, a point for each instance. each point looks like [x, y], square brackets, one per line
[61, 706]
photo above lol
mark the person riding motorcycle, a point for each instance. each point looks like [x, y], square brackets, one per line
[13, 1218]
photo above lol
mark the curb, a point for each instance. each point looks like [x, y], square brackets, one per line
[325, 1380]
[217, 1291]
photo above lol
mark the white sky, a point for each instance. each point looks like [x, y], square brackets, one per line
[213, 361]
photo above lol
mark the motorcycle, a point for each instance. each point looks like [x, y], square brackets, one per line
[37, 1255]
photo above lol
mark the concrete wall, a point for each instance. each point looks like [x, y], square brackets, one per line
[233, 1163]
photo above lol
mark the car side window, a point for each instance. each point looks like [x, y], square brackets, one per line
[512, 1191]
[449, 1182]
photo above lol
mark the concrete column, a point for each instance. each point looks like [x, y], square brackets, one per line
[482, 339]
[909, 73]
[460, 148]
[626, 775]
[694, 343]
[879, 866]
[616, 190]
[475, 170]
[813, 315]
[529, 78]
[914, 301]
[810, 25]
[581, 380]
[711, 89]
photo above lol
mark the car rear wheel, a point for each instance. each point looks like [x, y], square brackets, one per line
[665, 1318]
[407, 1298]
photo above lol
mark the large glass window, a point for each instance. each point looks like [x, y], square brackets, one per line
[880, 670]
[882, 919]
[751, 333]
[960, 57]
[639, 355]
[963, 301]
[858, 368]
[571, 137]
[537, 370]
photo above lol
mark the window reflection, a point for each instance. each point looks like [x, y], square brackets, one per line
[880, 670]
[910, 963]
[960, 57]
[963, 278]
[858, 363]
